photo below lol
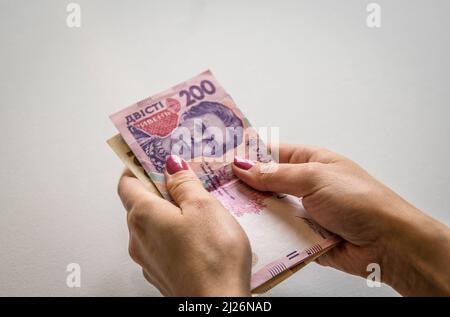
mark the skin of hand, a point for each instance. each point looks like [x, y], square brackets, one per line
[193, 248]
[378, 226]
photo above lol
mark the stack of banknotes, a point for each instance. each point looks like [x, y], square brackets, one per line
[199, 121]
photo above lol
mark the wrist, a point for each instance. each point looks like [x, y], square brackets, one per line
[416, 253]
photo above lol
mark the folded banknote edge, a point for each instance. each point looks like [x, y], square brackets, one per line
[276, 280]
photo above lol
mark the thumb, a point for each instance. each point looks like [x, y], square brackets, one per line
[183, 185]
[294, 179]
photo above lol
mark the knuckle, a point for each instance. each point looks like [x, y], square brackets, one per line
[199, 202]
[265, 178]
[121, 186]
[181, 187]
[180, 177]
[120, 189]
[317, 149]
[313, 169]
[132, 251]
[234, 240]
[148, 277]
[177, 188]
[136, 217]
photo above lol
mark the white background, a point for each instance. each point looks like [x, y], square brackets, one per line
[312, 68]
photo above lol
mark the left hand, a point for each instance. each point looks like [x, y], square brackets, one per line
[196, 249]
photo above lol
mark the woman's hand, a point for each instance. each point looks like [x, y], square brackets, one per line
[196, 249]
[378, 226]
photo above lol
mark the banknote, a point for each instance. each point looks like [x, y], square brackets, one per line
[120, 147]
[199, 121]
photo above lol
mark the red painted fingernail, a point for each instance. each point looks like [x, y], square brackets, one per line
[175, 164]
[243, 163]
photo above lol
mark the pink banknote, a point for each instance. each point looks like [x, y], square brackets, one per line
[199, 121]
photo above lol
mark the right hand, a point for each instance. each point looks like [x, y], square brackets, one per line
[378, 226]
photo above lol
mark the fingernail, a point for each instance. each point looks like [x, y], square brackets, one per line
[175, 164]
[243, 163]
